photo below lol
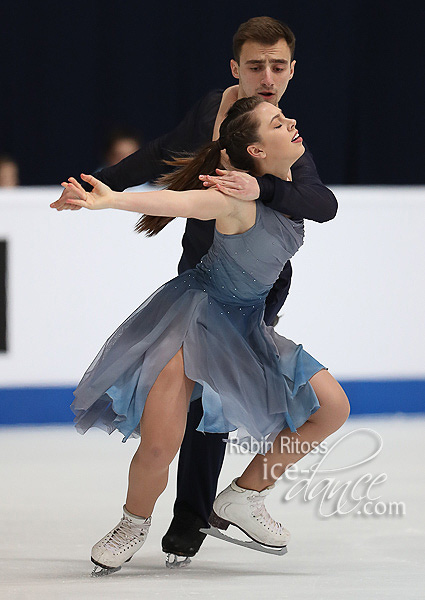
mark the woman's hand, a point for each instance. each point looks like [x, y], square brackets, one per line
[63, 204]
[100, 197]
[237, 184]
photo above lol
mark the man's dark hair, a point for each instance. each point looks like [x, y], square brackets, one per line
[263, 30]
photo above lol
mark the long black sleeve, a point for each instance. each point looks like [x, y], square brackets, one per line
[305, 197]
[147, 164]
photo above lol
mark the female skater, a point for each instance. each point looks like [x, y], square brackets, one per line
[203, 332]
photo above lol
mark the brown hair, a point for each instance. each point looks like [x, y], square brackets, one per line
[238, 130]
[264, 30]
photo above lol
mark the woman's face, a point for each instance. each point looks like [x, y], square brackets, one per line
[280, 144]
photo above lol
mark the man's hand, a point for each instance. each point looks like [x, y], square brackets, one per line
[100, 197]
[237, 184]
[63, 204]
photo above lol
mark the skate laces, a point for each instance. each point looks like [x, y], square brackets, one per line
[259, 510]
[126, 532]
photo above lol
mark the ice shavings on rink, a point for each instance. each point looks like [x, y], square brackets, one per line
[61, 492]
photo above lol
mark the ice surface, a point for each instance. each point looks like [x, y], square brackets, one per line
[60, 492]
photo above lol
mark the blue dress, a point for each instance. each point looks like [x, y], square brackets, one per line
[251, 379]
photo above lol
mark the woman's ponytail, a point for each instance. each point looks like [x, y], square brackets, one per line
[184, 177]
[239, 129]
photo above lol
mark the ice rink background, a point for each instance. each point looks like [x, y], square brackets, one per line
[61, 492]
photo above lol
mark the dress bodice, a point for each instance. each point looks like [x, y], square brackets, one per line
[242, 268]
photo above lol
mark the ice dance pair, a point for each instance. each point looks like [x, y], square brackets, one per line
[203, 333]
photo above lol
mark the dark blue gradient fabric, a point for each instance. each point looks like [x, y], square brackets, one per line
[251, 379]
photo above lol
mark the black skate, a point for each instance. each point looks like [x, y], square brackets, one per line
[183, 538]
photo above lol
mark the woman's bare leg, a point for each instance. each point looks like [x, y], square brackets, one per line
[162, 428]
[332, 414]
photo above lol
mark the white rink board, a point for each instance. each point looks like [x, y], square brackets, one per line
[356, 301]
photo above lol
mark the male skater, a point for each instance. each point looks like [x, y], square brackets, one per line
[263, 63]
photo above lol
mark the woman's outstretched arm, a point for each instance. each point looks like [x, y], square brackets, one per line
[197, 204]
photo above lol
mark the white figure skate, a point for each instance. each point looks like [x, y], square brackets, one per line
[119, 545]
[245, 509]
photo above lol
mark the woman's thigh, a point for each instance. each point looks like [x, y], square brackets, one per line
[164, 416]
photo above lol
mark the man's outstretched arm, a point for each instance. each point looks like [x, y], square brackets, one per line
[305, 197]
[147, 163]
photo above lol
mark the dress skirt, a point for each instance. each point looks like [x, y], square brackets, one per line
[251, 379]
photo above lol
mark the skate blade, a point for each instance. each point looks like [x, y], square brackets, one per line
[102, 571]
[251, 545]
[172, 561]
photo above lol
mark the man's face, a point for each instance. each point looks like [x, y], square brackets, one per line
[263, 70]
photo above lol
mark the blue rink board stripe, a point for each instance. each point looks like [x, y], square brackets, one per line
[51, 404]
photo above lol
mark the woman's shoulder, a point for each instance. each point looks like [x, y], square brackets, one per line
[231, 93]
